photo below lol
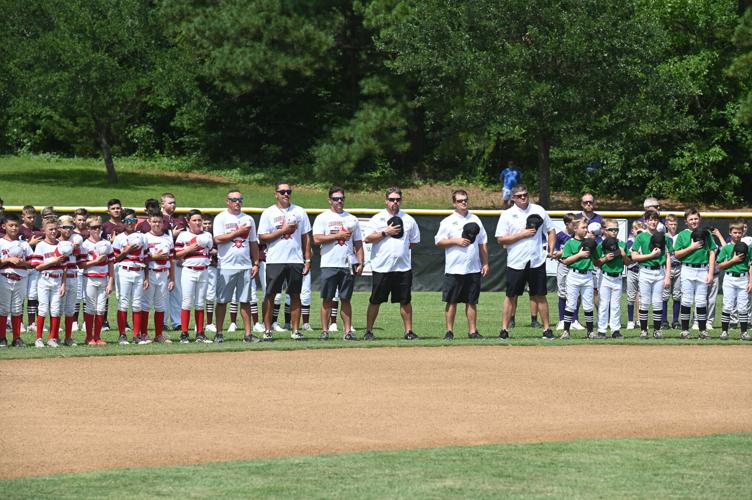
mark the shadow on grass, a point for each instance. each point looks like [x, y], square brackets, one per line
[87, 177]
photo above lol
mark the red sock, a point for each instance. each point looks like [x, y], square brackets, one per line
[199, 315]
[158, 323]
[185, 320]
[69, 326]
[98, 321]
[136, 323]
[144, 322]
[40, 326]
[3, 326]
[89, 322]
[15, 322]
[122, 317]
[54, 327]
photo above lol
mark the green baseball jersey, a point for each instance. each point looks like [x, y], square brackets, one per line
[612, 266]
[642, 246]
[699, 256]
[727, 253]
[572, 247]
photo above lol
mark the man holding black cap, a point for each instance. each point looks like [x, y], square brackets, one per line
[394, 235]
[464, 241]
[520, 230]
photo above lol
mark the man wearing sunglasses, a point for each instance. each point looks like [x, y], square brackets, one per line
[286, 231]
[237, 262]
[394, 235]
[587, 202]
[526, 258]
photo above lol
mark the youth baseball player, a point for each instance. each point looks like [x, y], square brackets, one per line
[734, 260]
[160, 261]
[611, 256]
[67, 228]
[15, 255]
[194, 247]
[578, 255]
[99, 279]
[130, 253]
[50, 260]
[32, 235]
[674, 290]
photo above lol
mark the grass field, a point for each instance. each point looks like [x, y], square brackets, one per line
[697, 467]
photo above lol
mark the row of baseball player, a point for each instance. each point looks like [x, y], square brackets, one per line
[140, 265]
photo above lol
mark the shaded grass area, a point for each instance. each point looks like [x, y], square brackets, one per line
[697, 467]
[428, 324]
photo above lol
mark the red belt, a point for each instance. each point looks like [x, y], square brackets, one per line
[13, 276]
[52, 275]
[132, 268]
[71, 275]
[160, 270]
[96, 275]
[196, 268]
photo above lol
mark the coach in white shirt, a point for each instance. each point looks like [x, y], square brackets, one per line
[238, 261]
[466, 260]
[526, 257]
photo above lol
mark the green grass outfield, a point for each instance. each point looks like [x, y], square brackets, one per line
[697, 467]
[428, 319]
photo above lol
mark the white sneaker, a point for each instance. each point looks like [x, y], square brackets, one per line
[630, 325]
[105, 328]
[695, 326]
[333, 327]
[39, 343]
[709, 327]
[23, 328]
[211, 328]
[277, 328]
[232, 328]
[307, 327]
[353, 330]
[577, 326]
[52, 343]
[259, 328]
[560, 326]
[75, 326]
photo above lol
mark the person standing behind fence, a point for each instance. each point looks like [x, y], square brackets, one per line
[520, 230]
[509, 177]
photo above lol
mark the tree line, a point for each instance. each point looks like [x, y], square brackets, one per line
[623, 98]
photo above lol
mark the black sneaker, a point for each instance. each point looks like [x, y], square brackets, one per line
[512, 323]
[675, 325]
[268, 337]
[184, 338]
[548, 334]
[123, 340]
[3, 342]
[17, 342]
[617, 335]
[219, 338]
[535, 324]
[665, 325]
[504, 334]
[369, 336]
[251, 339]
[474, 335]
[324, 336]
[449, 335]
[410, 335]
[201, 339]
[349, 336]
[67, 342]
[601, 335]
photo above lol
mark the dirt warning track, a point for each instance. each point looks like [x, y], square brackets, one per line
[80, 414]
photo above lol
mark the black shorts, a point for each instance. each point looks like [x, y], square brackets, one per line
[336, 278]
[398, 283]
[535, 278]
[277, 274]
[461, 288]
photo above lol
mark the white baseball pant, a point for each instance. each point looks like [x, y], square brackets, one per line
[735, 296]
[48, 293]
[71, 296]
[131, 290]
[194, 284]
[95, 296]
[12, 294]
[609, 305]
[156, 296]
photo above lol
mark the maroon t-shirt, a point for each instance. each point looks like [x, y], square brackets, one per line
[111, 229]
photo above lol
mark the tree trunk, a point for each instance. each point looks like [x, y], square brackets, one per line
[544, 171]
[107, 153]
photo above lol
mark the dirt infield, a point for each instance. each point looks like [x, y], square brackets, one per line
[79, 414]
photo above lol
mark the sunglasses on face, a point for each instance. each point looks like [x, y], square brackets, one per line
[521, 195]
[284, 191]
[612, 229]
[94, 228]
[395, 200]
[587, 202]
[657, 207]
[463, 200]
[236, 200]
[68, 227]
[337, 198]
[130, 221]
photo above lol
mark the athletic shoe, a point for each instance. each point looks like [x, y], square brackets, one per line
[504, 334]
[535, 324]
[74, 327]
[175, 328]
[449, 335]
[617, 335]
[106, 326]
[695, 326]
[211, 328]
[144, 340]
[565, 335]
[39, 343]
[3, 342]
[232, 328]
[127, 327]
[512, 323]
[369, 336]
[307, 327]
[548, 335]
[287, 327]
[675, 325]
[643, 335]
[601, 336]
[704, 335]
[268, 337]
[69, 342]
[297, 336]
[684, 334]
[657, 334]
[474, 335]
[184, 339]
[136, 339]
[724, 336]
[349, 336]
[560, 326]
[709, 327]
[123, 340]
[630, 325]
[251, 339]
[259, 328]
[333, 327]
[17, 342]
[219, 338]
[52, 343]
[277, 328]
[410, 335]
[23, 328]
[592, 335]
[577, 326]
[665, 325]
[324, 336]
[745, 336]
[201, 339]
[101, 342]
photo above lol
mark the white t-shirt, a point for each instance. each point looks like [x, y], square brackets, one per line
[17, 248]
[203, 256]
[234, 254]
[93, 251]
[337, 253]
[287, 249]
[393, 254]
[459, 259]
[526, 250]
[136, 257]
[159, 244]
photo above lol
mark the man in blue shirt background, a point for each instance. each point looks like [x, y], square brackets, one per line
[509, 177]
